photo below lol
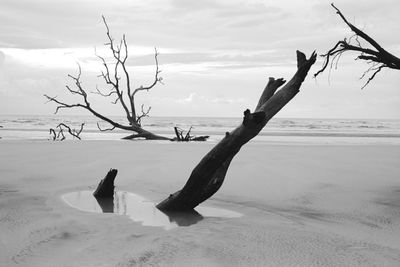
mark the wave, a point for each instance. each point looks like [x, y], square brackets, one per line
[25, 125]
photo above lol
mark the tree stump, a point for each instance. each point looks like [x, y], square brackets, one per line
[105, 189]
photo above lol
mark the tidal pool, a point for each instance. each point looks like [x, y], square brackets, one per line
[141, 210]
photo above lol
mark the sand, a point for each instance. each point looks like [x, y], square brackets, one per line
[302, 205]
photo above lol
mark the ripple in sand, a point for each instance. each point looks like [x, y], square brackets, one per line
[140, 210]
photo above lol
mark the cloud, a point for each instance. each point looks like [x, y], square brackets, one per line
[197, 99]
[195, 5]
[203, 61]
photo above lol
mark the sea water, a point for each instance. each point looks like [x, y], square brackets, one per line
[278, 130]
[140, 210]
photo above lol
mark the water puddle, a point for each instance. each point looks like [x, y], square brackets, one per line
[140, 210]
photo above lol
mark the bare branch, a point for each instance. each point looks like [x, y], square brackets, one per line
[98, 92]
[62, 104]
[157, 78]
[377, 70]
[143, 115]
[377, 54]
[105, 129]
[52, 132]
[72, 132]
[61, 133]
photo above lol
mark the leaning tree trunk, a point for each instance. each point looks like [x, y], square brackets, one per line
[208, 175]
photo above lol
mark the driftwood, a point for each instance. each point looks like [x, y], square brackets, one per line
[105, 189]
[208, 176]
[181, 137]
[57, 136]
[60, 135]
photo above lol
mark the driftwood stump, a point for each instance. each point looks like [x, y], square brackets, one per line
[105, 189]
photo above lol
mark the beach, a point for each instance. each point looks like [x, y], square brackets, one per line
[300, 204]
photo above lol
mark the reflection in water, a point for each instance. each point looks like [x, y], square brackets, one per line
[106, 204]
[185, 218]
[141, 210]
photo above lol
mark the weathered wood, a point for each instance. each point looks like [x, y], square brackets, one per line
[208, 176]
[105, 189]
[142, 133]
[187, 138]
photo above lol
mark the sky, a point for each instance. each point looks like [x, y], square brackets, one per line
[215, 55]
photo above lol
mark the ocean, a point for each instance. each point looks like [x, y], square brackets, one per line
[278, 130]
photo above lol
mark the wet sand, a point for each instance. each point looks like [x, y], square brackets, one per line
[302, 205]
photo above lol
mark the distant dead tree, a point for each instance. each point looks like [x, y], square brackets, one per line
[60, 135]
[368, 49]
[117, 79]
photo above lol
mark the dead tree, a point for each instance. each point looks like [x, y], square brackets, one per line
[368, 49]
[207, 177]
[117, 79]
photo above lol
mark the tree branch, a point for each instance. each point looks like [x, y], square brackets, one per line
[72, 132]
[378, 54]
[157, 78]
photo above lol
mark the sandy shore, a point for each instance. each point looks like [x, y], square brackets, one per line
[302, 205]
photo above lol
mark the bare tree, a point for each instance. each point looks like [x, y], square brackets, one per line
[368, 49]
[207, 177]
[117, 79]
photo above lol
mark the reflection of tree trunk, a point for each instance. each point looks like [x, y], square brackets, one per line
[106, 204]
[185, 218]
[105, 189]
[207, 177]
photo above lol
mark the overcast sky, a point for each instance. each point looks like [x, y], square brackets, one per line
[216, 55]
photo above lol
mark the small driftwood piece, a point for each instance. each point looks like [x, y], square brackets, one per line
[181, 137]
[207, 177]
[72, 132]
[60, 135]
[57, 136]
[105, 189]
